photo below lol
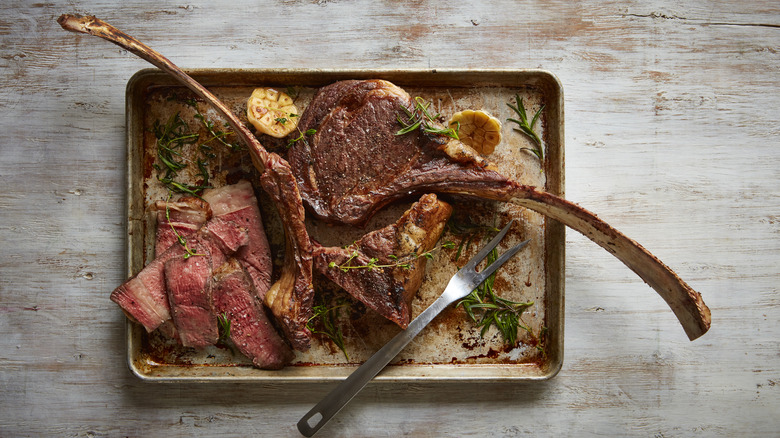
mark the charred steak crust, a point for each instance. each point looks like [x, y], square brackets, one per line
[291, 298]
[355, 162]
[388, 290]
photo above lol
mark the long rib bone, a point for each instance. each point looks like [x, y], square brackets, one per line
[290, 298]
[685, 302]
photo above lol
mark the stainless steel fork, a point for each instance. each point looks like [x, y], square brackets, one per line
[460, 285]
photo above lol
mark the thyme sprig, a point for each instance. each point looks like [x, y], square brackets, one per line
[420, 117]
[218, 135]
[188, 252]
[484, 307]
[302, 136]
[327, 317]
[404, 262]
[527, 128]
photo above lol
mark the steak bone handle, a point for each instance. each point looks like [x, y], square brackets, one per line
[686, 303]
[288, 297]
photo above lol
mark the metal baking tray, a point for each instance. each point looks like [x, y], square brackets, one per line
[451, 348]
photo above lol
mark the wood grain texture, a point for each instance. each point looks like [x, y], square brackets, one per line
[672, 124]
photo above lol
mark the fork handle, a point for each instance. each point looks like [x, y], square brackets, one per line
[329, 406]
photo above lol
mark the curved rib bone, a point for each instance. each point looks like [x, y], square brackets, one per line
[290, 297]
[686, 303]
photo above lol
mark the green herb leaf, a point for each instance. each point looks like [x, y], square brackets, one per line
[223, 322]
[485, 308]
[526, 128]
[327, 318]
[420, 117]
[404, 262]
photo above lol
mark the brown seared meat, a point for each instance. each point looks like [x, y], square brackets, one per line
[399, 247]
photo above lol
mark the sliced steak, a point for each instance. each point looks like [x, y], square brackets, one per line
[237, 203]
[399, 247]
[183, 217]
[250, 329]
[188, 281]
[354, 163]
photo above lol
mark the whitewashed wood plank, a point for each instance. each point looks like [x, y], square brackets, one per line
[672, 135]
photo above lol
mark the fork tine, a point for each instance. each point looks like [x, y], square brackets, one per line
[503, 258]
[472, 264]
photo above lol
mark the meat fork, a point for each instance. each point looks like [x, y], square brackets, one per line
[460, 285]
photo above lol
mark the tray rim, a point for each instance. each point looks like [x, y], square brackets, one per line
[555, 232]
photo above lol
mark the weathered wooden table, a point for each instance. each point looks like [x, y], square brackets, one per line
[672, 124]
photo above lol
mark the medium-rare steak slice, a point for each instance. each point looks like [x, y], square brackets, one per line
[250, 329]
[188, 281]
[354, 163]
[143, 297]
[237, 203]
[183, 217]
[399, 251]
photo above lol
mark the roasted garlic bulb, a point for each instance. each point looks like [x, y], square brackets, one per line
[477, 129]
[272, 112]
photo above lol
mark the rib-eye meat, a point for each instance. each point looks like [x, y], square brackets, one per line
[250, 330]
[398, 249]
[188, 281]
[354, 163]
[181, 218]
[237, 203]
[291, 296]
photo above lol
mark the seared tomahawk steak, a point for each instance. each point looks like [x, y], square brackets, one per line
[290, 298]
[354, 163]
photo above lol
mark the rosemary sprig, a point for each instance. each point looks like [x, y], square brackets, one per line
[527, 128]
[420, 117]
[171, 137]
[404, 262]
[484, 307]
[223, 324]
[327, 318]
[468, 231]
[188, 252]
